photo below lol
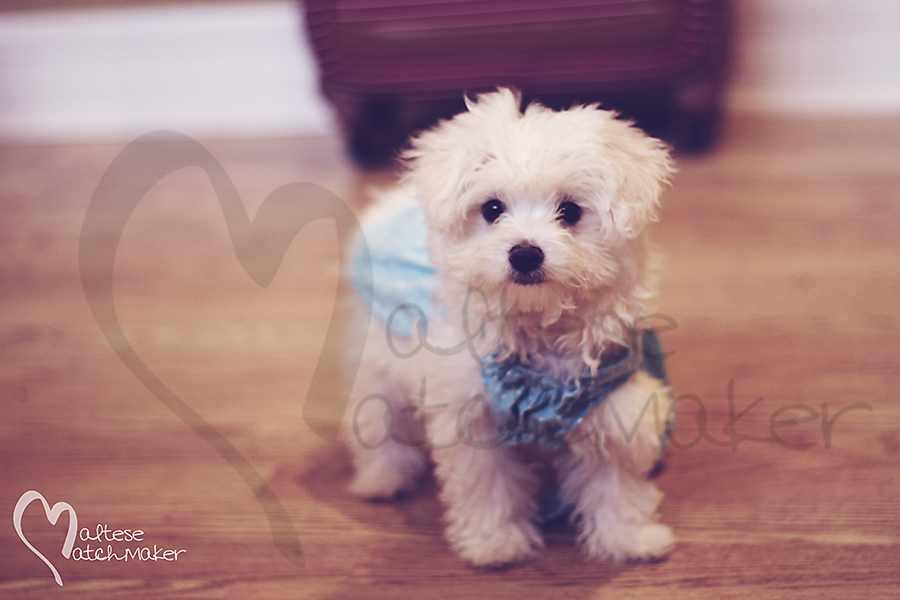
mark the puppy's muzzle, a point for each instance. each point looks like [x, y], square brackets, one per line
[526, 261]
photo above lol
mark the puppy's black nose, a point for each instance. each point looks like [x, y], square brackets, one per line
[525, 258]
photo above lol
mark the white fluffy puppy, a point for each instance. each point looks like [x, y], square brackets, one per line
[519, 329]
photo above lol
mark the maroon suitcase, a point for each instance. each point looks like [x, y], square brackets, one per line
[393, 66]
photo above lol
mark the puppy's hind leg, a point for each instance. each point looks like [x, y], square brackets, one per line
[384, 437]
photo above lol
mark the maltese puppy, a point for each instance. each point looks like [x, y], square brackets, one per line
[506, 285]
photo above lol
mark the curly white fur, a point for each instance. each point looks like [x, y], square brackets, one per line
[597, 275]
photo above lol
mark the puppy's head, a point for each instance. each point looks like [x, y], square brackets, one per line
[544, 207]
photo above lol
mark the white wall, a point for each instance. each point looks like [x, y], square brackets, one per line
[227, 69]
[235, 69]
[818, 57]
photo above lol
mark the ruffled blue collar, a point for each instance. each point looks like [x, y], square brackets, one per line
[531, 407]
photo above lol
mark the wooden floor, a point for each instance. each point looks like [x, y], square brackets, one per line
[782, 294]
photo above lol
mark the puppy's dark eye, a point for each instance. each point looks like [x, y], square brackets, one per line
[569, 212]
[492, 209]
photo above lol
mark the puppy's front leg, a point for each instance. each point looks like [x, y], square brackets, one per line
[488, 492]
[605, 476]
[616, 512]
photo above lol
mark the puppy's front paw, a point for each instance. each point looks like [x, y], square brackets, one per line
[645, 542]
[496, 546]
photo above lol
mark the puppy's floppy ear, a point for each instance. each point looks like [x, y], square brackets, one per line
[637, 167]
[441, 162]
